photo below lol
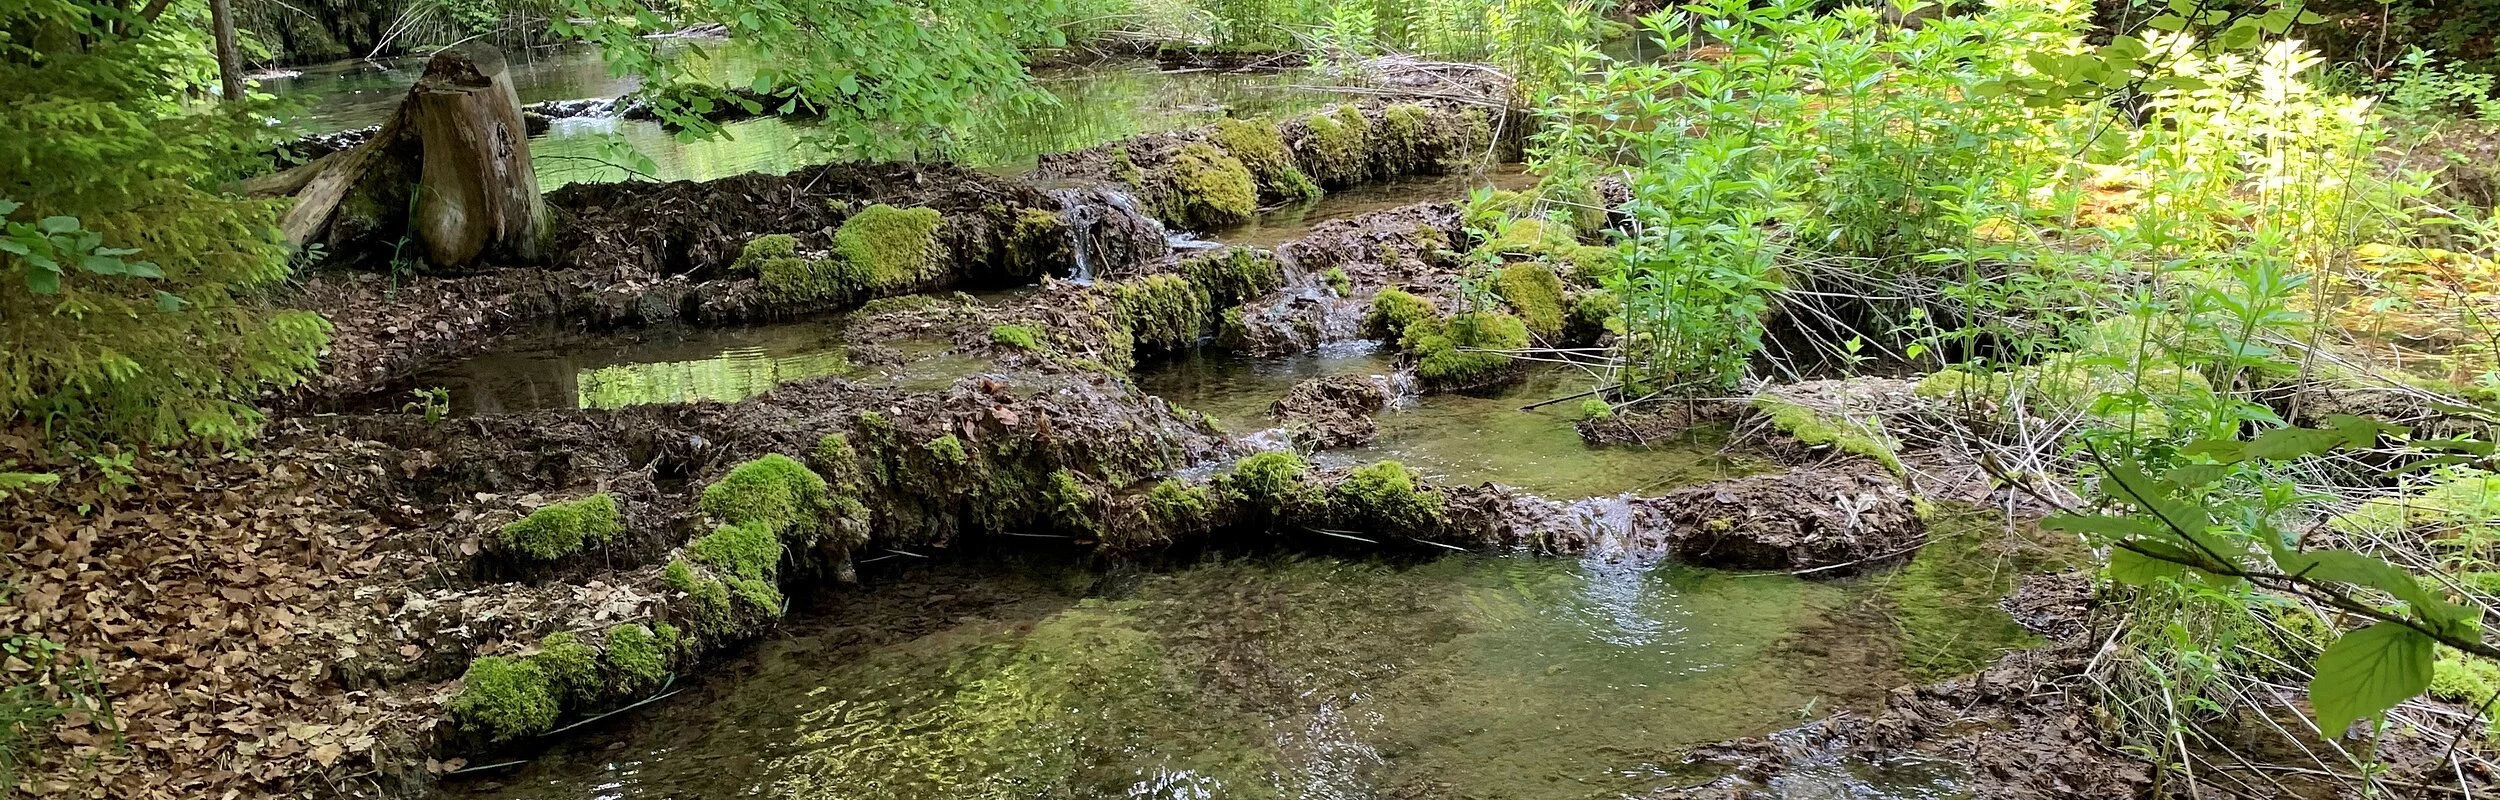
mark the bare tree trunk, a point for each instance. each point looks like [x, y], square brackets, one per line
[477, 195]
[229, 62]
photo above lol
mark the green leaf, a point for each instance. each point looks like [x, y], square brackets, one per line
[2136, 569]
[8, 207]
[2111, 527]
[2367, 672]
[2283, 443]
[58, 224]
[2362, 432]
[2227, 451]
[43, 281]
[2196, 474]
[169, 302]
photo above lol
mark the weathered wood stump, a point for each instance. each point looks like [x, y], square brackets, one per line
[449, 173]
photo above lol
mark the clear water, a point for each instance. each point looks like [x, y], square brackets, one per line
[676, 365]
[1271, 677]
[1458, 438]
[1091, 105]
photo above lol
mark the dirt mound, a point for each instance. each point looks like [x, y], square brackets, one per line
[1795, 519]
[1332, 412]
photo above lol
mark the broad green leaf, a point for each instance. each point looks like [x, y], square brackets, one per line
[2366, 672]
[2138, 569]
[8, 207]
[2228, 451]
[2196, 474]
[58, 224]
[43, 281]
[2107, 526]
[2283, 443]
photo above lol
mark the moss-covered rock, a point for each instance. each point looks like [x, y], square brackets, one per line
[1461, 351]
[765, 248]
[1591, 264]
[1234, 275]
[1164, 311]
[1206, 189]
[637, 657]
[1816, 429]
[1178, 506]
[744, 550]
[889, 247]
[1261, 148]
[1071, 503]
[1271, 486]
[1595, 313]
[776, 491]
[1394, 310]
[1021, 337]
[1338, 151]
[571, 667]
[1338, 281]
[948, 450]
[1384, 496]
[707, 599]
[1536, 293]
[505, 699]
[557, 530]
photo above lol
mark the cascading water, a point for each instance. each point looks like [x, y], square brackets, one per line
[1106, 231]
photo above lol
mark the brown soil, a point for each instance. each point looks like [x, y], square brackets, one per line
[1332, 412]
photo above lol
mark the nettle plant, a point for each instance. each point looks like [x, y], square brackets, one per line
[2214, 513]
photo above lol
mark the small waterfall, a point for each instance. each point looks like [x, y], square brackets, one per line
[1107, 232]
[1618, 560]
[1081, 216]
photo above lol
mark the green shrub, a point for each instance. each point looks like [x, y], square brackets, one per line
[557, 530]
[505, 698]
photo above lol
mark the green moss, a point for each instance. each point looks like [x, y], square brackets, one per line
[1594, 313]
[1234, 275]
[707, 597]
[571, 666]
[1385, 495]
[1207, 189]
[506, 699]
[1844, 434]
[1260, 148]
[557, 530]
[1275, 484]
[1164, 312]
[1338, 281]
[637, 658]
[2457, 507]
[1536, 293]
[948, 450]
[1017, 336]
[835, 461]
[776, 490]
[1405, 142]
[1531, 237]
[1038, 235]
[1596, 409]
[759, 594]
[1338, 151]
[1455, 352]
[1591, 264]
[2467, 681]
[888, 246]
[765, 248]
[1176, 504]
[744, 550]
[1071, 503]
[1394, 310]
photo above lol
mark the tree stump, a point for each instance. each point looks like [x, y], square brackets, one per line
[477, 195]
[448, 176]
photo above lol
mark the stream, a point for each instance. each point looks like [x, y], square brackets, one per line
[1036, 672]
[1091, 104]
[1255, 677]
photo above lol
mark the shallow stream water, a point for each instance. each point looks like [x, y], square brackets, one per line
[1089, 105]
[1254, 677]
